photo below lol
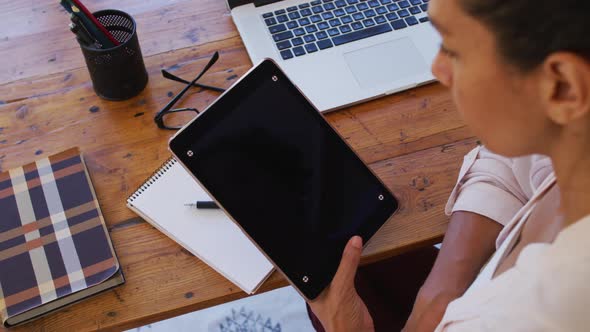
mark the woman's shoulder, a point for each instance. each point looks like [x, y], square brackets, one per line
[559, 289]
[547, 288]
[551, 280]
[529, 171]
[572, 242]
[555, 267]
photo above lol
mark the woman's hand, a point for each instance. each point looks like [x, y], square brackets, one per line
[339, 307]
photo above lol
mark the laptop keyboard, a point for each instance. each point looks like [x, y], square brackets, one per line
[322, 24]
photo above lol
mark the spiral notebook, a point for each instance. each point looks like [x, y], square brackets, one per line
[207, 233]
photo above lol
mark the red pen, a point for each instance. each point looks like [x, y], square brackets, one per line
[95, 21]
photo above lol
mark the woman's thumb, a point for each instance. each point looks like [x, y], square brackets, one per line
[349, 262]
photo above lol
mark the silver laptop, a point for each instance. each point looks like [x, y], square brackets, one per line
[341, 52]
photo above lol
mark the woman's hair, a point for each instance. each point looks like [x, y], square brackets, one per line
[527, 31]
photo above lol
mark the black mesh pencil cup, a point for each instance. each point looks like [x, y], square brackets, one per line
[117, 73]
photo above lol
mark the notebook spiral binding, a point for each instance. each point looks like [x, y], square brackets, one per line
[152, 178]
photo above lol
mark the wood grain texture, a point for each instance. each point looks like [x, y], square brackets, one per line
[164, 280]
[414, 141]
[38, 31]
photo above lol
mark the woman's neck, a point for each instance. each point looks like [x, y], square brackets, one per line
[571, 161]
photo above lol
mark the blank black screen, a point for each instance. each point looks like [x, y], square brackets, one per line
[276, 166]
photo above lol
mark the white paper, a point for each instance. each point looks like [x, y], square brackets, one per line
[207, 233]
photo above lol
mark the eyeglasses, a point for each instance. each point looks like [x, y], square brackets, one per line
[164, 118]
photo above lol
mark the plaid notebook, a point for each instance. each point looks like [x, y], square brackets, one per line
[54, 245]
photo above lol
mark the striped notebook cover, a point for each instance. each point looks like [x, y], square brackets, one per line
[54, 245]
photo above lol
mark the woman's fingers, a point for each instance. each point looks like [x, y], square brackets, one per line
[351, 257]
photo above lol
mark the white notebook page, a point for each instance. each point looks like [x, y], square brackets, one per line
[207, 233]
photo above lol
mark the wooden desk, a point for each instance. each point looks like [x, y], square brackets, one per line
[414, 141]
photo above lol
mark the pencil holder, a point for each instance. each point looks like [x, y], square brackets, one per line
[117, 73]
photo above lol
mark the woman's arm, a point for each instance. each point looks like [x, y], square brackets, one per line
[487, 195]
[468, 243]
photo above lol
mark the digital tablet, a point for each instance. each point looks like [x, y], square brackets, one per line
[280, 171]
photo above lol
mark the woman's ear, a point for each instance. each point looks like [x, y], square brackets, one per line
[565, 87]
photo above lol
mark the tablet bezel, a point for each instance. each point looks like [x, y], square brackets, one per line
[265, 69]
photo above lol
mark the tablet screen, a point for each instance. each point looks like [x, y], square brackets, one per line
[284, 175]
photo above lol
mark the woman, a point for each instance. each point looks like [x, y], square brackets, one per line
[519, 72]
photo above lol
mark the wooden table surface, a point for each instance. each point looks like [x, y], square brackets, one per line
[414, 140]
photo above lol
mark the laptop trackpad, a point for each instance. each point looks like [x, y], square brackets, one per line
[385, 63]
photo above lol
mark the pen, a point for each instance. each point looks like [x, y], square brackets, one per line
[92, 29]
[203, 205]
[66, 6]
[82, 36]
[82, 32]
[99, 25]
[88, 24]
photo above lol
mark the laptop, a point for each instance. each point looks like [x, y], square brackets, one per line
[341, 52]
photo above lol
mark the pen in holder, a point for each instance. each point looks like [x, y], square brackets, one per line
[118, 72]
